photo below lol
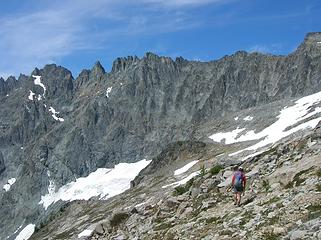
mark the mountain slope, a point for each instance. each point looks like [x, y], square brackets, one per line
[55, 128]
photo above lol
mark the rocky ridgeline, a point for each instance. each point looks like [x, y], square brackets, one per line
[282, 200]
[70, 127]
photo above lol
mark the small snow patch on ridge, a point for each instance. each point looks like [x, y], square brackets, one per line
[10, 182]
[31, 94]
[108, 91]
[185, 168]
[54, 112]
[85, 233]
[236, 118]
[26, 233]
[228, 136]
[37, 81]
[248, 118]
[183, 181]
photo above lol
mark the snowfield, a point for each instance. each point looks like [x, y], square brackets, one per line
[85, 233]
[104, 182]
[108, 91]
[54, 115]
[248, 118]
[288, 122]
[185, 168]
[37, 81]
[8, 185]
[26, 233]
[31, 94]
[183, 181]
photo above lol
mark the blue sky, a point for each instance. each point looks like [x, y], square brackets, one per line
[77, 33]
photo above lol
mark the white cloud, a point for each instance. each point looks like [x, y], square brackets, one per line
[56, 29]
[263, 48]
[180, 3]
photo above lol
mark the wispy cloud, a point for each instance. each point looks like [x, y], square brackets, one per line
[264, 48]
[60, 28]
[180, 3]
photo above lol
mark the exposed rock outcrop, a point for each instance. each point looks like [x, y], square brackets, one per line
[72, 127]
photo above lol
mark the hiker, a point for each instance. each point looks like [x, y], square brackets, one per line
[238, 184]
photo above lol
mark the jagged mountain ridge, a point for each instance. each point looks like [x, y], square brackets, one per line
[152, 101]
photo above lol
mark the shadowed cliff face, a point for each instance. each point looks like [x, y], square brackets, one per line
[128, 114]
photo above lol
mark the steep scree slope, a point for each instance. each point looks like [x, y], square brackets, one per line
[70, 127]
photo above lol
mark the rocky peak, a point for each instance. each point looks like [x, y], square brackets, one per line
[181, 60]
[121, 64]
[82, 78]
[58, 81]
[311, 45]
[97, 71]
[11, 83]
[8, 85]
[22, 77]
[151, 56]
[2, 87]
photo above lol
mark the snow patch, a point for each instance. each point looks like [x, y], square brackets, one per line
[288, 117]
[51, 187]
[26, 232]
[248, 118]
[108, 91]
[8, 185]
[17, 229]
[140, 204]
[185, 168]
[104, 182]
[183, 181]
[319, 42]
[54, 112]
[85, 233]
[37, 81]
[236, 118]
[230, 137]
[31, 94]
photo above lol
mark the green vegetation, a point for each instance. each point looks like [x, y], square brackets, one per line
[301, 145]
[216, 169]
[162, 226]
[202, 170]
[315, 211]
[266, 185]
[274, 220]
[318, 186]
[314, 208]
[179, 190]
[297, 180]
[270, 236]
[118, 218]
[272, 200]
[214, 220]
[246, 217]
[318, 173]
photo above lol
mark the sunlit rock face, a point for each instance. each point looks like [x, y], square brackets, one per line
[73, 126]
